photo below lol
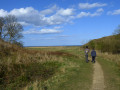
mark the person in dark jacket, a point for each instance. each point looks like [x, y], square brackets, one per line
[93, 54]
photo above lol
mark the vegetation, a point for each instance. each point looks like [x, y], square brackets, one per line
[1, 26]
[53, 68]
[109, 44]
[111, 67]
[10, 29]
[19, 66]
[74, 72]
[108, 55]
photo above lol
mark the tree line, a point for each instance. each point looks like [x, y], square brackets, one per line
[11, 30]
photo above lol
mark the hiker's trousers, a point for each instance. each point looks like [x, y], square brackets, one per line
[86, 57]
[93, 59]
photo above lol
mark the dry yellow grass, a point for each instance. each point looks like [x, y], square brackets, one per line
[18, 65]
[110, 56]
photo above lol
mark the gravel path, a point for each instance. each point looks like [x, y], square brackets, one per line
[98, 78]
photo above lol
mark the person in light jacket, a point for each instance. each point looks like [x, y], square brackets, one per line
[93, 54]
[86, 54]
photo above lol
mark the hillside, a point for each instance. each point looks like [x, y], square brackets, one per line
[20, 66]
[109, 44]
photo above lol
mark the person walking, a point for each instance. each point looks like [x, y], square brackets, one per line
[86, 53]
[93, 54]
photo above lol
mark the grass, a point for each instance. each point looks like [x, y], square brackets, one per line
[53, 68]
[77, 77]
[20, 67]
[111, 69]
[109, 59]
[41, 68]
[74, 72]
[23, 74]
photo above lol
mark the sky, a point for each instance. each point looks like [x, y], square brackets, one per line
[63, 22]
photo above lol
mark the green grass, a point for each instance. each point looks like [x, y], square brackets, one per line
[77, 75]
[74, 74]
[23, 74]
[111, 74]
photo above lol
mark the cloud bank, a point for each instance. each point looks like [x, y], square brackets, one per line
[31, 16]
[89, 6]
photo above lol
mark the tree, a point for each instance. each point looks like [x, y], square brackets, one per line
[117, 31]
[1, 26]
[20, 43]
[12, 29]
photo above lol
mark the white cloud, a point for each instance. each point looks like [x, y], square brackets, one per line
[31, 16]
[97, 13]
[100, 10]
[85, 14]
[49, 11]
[66, 12]
[42, 31]
[28, 15]
[115, 12]
[3, 13]
[89, 6]
[60, 17]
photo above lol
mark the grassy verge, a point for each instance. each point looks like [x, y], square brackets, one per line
[111, 73]
[77, 76]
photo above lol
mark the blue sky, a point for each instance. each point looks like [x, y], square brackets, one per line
[63, 22]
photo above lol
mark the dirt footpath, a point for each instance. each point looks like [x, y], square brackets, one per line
[98, 78]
